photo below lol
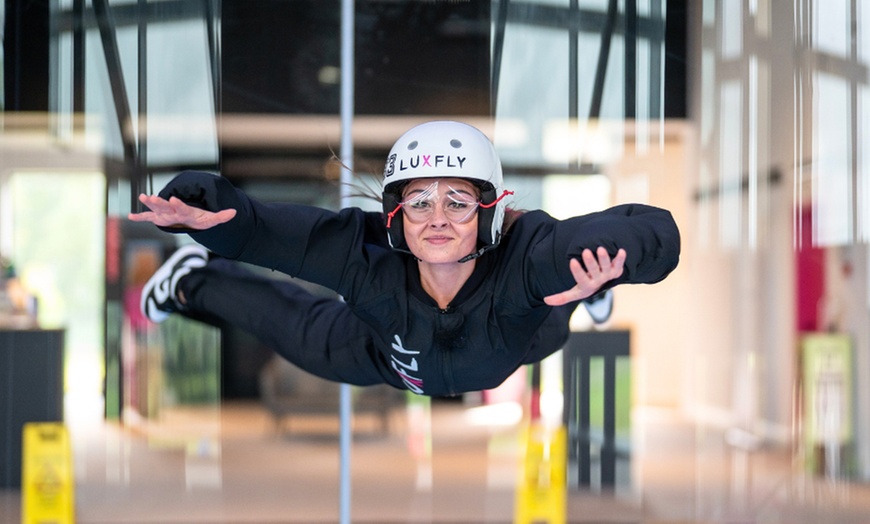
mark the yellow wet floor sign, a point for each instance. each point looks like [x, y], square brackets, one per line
[542, 488]
[47, 489]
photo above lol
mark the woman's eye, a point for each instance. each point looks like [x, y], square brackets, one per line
[420, 204]
[458, 205]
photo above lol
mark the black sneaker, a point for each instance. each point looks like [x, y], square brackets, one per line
[600, 306]
[159, 297]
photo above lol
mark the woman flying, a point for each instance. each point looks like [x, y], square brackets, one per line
[440, 297]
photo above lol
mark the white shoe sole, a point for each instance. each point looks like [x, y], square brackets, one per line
[601, 309]
[160, 283]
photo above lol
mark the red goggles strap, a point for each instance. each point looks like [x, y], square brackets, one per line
[392, 213]
[496, 201]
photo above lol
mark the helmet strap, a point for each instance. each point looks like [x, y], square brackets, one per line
[472, 256]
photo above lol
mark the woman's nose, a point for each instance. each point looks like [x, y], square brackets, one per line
[439, 217]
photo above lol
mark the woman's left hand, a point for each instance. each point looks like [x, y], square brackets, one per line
[598, 272]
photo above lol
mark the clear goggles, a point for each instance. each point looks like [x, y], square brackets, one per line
[458, 206]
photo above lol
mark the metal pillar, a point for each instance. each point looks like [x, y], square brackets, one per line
[347, 109]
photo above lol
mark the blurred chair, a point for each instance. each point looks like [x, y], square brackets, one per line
[287, 391]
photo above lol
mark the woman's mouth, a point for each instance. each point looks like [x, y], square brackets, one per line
[438, 239]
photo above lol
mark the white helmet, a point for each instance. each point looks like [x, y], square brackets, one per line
[445, 149]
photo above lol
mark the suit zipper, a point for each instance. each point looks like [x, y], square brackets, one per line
[446, 368]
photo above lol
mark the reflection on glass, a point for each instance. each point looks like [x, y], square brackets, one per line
[782, 87]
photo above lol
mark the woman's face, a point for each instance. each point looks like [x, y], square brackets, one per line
[440, 219]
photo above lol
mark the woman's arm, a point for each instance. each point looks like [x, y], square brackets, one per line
[309, 242]
[647, 235]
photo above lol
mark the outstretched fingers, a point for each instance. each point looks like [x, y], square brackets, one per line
[594, 272]
[175, 213]
[613, 268]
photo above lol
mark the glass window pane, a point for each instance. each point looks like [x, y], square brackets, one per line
[832, 173]
[731, 165]
[56, 248]
[182, 120]
[832, 27]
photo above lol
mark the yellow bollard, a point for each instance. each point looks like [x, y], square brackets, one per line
[542, 487]
[47, 481]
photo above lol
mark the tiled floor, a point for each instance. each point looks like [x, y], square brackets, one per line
[230, 466]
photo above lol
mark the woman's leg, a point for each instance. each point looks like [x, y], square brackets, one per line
[320, 335]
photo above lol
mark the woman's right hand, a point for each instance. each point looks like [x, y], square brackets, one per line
[174, 213]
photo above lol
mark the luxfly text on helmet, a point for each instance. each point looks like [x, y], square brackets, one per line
[423, 161]
[446, 149]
